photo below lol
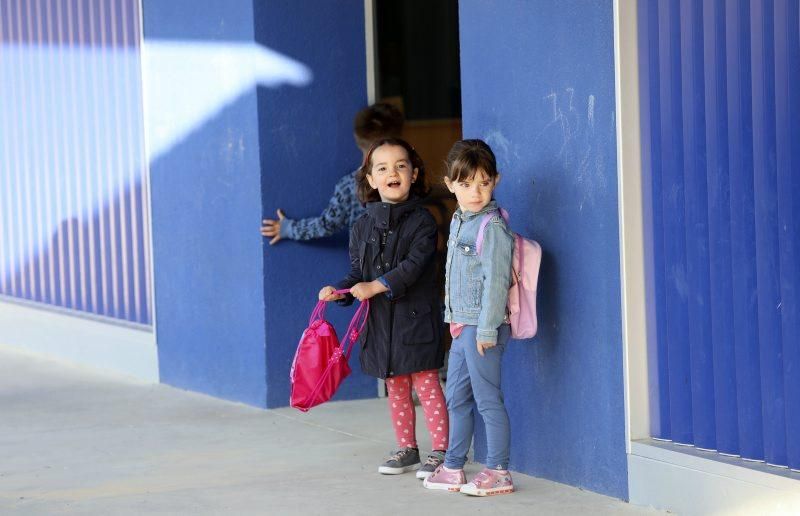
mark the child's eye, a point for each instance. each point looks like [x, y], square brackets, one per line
[485, 183]
[463, 185]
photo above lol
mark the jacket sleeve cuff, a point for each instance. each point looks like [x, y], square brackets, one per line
[347, 300]
[386, 284]
[393, 278]
[487, 336]
[287, 229]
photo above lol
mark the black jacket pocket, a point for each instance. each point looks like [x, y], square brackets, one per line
[413, 324]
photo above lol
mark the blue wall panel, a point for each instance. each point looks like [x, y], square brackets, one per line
[672, 202]
[767, 256]
[730, 203]
[787, 112]
[538, 86]
[231, 308]
[306, 146]
[742, 216]
[206, 205]
[697, 247]
[650, 91]
[719, 229]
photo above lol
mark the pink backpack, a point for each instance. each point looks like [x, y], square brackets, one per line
[320, 363]
[524, 276]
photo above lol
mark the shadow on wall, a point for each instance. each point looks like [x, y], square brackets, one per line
[86, 268]
[97, 260]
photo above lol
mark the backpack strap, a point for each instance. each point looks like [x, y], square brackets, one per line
[484, 221]
[346, 346]
[319, 310]
[355, 328]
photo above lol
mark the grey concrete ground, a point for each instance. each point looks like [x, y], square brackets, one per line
[73, 441]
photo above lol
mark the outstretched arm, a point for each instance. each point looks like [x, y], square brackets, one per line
[334, 217]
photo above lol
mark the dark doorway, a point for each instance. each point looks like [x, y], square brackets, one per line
[418, 69]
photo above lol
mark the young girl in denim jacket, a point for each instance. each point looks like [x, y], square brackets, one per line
[475, 306]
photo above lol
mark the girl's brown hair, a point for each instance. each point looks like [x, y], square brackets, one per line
[368, 194]
[467, 157]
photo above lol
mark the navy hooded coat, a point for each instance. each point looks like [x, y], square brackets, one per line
[397, 242]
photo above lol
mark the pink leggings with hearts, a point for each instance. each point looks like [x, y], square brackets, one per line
[431, 398]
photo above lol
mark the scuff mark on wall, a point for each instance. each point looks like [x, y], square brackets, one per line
[578, 150]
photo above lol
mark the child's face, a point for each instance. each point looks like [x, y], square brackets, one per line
[391, 173]
[473, 193]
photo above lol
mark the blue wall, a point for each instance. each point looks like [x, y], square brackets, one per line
[538, 86]
[230, 308]
[306, 146]
[206, 205]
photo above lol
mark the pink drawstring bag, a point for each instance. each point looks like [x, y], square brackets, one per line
[524, 276]
[320, 363]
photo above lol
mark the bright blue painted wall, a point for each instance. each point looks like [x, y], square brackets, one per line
[538, 86]
[206, 205]
[306, 146]
[230, 308]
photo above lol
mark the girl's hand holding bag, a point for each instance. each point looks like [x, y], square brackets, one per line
[321, 362]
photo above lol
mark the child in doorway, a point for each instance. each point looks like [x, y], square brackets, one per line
[476, 293]
[372, 123]
[392, 248]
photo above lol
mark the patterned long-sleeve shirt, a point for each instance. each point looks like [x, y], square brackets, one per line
[342, 211]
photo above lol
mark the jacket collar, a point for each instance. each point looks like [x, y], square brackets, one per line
[386, 214]
[468, 215]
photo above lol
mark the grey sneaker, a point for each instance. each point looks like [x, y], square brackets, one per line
[405, 459]
[434, 459]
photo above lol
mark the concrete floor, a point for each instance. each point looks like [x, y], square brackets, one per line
[73, 441]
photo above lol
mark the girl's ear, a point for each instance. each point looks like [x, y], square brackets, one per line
[497, 179]
[414, 175]
[371, 181]
[449, 184]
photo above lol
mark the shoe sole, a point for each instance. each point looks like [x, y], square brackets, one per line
[487, 492]
[453, 488]
[385, 470]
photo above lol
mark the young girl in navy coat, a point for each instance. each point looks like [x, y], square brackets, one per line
[392, 249]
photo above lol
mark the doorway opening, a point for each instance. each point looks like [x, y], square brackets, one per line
[414, 64]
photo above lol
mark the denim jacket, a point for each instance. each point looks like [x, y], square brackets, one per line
[476, 291]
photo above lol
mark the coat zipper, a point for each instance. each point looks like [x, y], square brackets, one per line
[384, 238]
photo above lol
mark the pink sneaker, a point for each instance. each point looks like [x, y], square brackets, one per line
[445, 480]
[489, 482]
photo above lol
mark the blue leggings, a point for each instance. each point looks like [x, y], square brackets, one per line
[475, 380]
